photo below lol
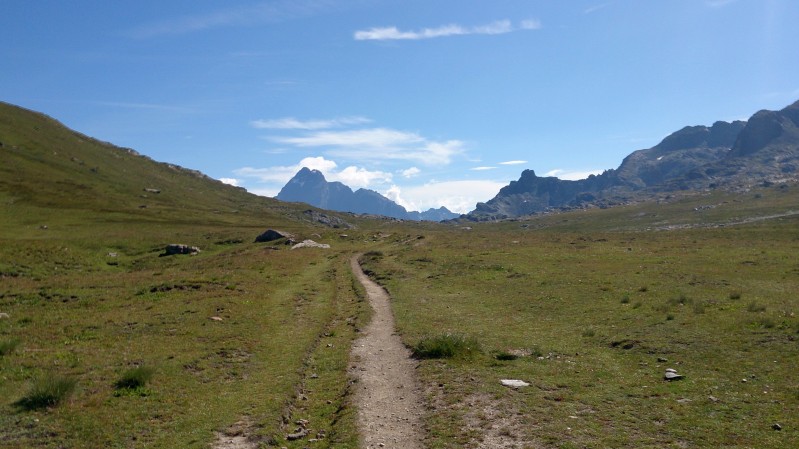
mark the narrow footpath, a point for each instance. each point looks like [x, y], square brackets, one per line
[387, 393]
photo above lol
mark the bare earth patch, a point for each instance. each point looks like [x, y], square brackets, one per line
[236, 437]
[387, 394]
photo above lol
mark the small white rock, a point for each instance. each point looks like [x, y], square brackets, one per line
[514, 383]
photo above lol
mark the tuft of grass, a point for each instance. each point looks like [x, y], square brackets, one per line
[755, 307]
[588, 332]
[767, 323]
[735, 295]
[47, 391]
[8, 346]
[446, 346]
[505, 356]
[625, 299]
[699, 308]
[135, 378]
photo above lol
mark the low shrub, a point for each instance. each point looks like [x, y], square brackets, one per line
[446, 346]
[135, 378]
[47, 391]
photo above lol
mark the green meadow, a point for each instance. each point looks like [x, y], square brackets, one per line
[105, 343]
[591, 308]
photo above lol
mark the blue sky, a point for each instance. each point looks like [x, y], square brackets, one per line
[428, 102]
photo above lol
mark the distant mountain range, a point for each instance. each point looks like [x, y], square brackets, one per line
[311, 187]
[740, 154]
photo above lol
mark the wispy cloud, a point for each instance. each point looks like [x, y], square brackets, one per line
[292, 123]
[595, 8]
[261, 12]
[483, 168]
[379, 144]
[513, 163]
[493, 28]
[719, 3]
[410, 173]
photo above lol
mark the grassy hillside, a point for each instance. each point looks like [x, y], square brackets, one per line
[591, 308]
[225, 339]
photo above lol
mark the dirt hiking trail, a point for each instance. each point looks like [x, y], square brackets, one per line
[387, 394]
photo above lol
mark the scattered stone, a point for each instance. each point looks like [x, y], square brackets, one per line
[514, 383]
[299, 434]
[216, 318]
[112, 254]
[4, 316]
[713, 399]
[671, 374]
[662, 360]
[776, 426]
[272, 234]
[327, 220]
[310, 244]
[148, 190]
[177, 248]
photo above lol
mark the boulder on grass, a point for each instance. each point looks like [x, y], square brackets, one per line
[272, 234]
[177, 248]
[310, 244]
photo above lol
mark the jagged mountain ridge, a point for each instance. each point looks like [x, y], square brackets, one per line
[764, 148]
[311, 187]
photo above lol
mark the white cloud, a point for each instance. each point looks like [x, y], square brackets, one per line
[354, 177]
[482, 168]
[512, 162]
[498, 27]
[379, 144]
[393, 33]
[411, 172]
[282, 174]
[230, 181]
[271, 193]
[458, 196]
[572, 175]
[394, 194]
[292, 123]
[360, 177]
